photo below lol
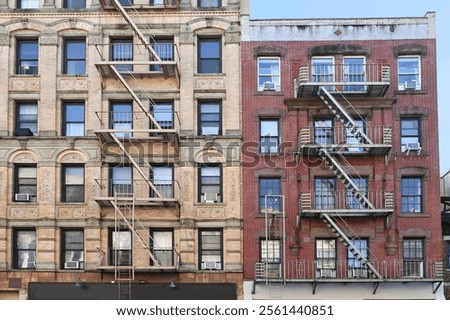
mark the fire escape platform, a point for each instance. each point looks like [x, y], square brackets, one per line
[141, 5]
[371, 89]
[355, 213]
[346, 149]
[107, 201]
[112, 269]
[168, 69]
[151, 135]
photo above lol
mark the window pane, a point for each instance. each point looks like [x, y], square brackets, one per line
[411, 195]
[27, 56]
[74, 4]
[209, 56]
[323, 131]
[28, 4]
[74, 175]
[324, 189]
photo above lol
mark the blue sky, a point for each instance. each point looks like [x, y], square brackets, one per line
[291, 9]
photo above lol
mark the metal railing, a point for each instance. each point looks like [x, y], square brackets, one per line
[345, 199]
[339, 135]
[351, 77]
[337, 269]
[142, 4]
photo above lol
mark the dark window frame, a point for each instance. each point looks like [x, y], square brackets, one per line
[128, 253]
[18, 185]
[67, 122]
[324, 135]
[79, 187]
[406, 195]
[66, 55]
[325, 198]
[162, 250]
[201, 184]
[161, 45]
[77, 248]
[122, 41]
[204, 4]
[74, 4]
[34, 60]
[21, 123]
[167, 190]
[202, 251]
[127, 188]
[153, 109]
[416, 136]
[262, 195]
[413, 257]
[121, 118]
[202, 122]
[202, 60]
[17, 250]
[328, 262]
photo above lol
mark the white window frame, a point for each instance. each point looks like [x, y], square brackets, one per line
[275, 78]
[401, 84]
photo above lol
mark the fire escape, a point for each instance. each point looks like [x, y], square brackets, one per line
[136, 145]
[336, 144]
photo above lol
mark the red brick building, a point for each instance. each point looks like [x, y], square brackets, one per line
[340, 159]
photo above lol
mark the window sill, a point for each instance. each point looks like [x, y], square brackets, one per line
[206, 204]
[413, 215]
[410, 91]
[269, 93]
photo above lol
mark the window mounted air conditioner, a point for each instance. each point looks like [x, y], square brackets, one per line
[357, 273]
[210, 197]
[211, 265]
[327, 273]
[413, 146]
[23, 197]
[412, 84]
[72, 265]
[269, 86]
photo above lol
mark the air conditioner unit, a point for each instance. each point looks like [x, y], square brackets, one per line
[412, 84]
[23, 197]
[327, 273]
[413, 146]
[210, 265]
[269, 86]
[357, 273]
[72, 265]
[210, 197]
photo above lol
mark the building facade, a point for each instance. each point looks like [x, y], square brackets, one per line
[340, 159]
[119, 142]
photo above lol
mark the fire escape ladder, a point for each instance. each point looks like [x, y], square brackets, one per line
[136, 166]
[124, 208]
[342, 115]
[350, 185]
[348, 243]
[135, 97]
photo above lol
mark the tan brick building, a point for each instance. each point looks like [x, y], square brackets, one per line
[120, 144]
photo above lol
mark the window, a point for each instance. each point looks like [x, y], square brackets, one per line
[27, 4]
[25, 186]
[448, 254]
[351, 198]
[269, 74]
[161, 245]
[72, 183]
[156, 2]
[269, 192]
[269, 135]
[126, 2]
[323, 131]
[74, 56]
[411, 194]
[122, 50]
[27, 56]
[72, 249]
[323, 70]
[325, 193]
[352, 139]
[354, 71]
[209, 118]
[326, 258]
[24, 249]
[26, 119]
[162, 179]
[164, 50]
[121, 180]
[354, 262]
[209, 55]
[413, 258]
[121, 119]
[410, 133]
[409, 72]
[210, 249]
[74, 4]
[210, 183]
[73, 124]
[270, 251]
[209, 3]
[120, 248]
[163, 114]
